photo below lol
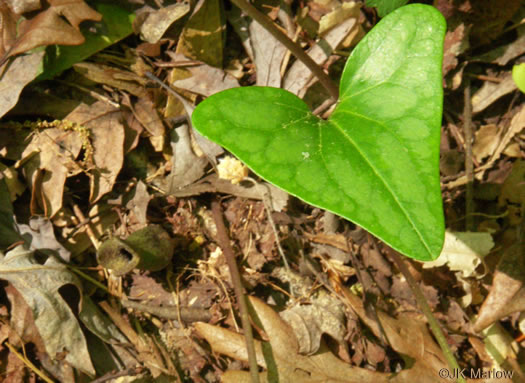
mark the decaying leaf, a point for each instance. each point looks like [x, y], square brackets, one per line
[112, 76]
[186, 166]
[490, 92]
[106, 135]
[157, 22]
[269, 55]
[52, 152]
[39, 284]
[50, 27]
[485, 141]
[202, 79]
[507, 293]
[463, 252]
[39, 235]
[280, 355]
[323, 315]
[16, 76]
[298, 76]
[144, 110]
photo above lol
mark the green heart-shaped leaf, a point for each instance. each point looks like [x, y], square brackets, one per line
[376, 160]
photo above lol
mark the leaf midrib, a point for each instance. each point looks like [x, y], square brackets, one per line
[378, 174]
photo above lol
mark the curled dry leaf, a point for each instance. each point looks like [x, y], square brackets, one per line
[50, 27]
[157, 22]
[463, 252]
[106, 135]
[39, 285]
[52, 153]
[507, 293]
[281, 356]
[323, 315]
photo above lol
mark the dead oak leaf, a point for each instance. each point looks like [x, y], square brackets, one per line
[50, 27]
[280, 356]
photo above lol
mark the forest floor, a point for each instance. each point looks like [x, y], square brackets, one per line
[93, 151]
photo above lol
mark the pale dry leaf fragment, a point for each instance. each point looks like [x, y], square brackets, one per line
[463, 252]
[491, 92]
[407, 336]
[186, 166]
[39, 285]
[507, 293]
[340, 13]
[138, 202]
[517, 124]
[145, 111]
[23, 6]
[269, 54]
[14, 185]
[39, 235]
[485, 141]
[499, 344]
[203, 79]
[502, 55]
[298, 76]
[230, 168]
[158, 22]
[323, 315]
[19, 72]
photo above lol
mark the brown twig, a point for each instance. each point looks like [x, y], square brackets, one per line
[298, 52]
[224, 242]
[469, 165]
[186, 314]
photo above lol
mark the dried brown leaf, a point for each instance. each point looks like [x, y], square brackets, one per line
[20, 72]
[54, 152]
[145, 111]
[203, 79]
[107, 139]
[114, 77]
[281, 355]
[56, 323]
[490, 92]
[157, 22]
[507, 293]
[298, 76]
[50, 27]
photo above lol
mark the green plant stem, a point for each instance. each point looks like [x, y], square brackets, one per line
[298, 52]
[224, 242]
[423, 305]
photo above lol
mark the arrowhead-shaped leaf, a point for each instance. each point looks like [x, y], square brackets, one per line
[376, 160]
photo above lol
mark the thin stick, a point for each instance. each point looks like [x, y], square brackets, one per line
[224, 243]
[469, 166]
[423, 305]
[298, 52]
